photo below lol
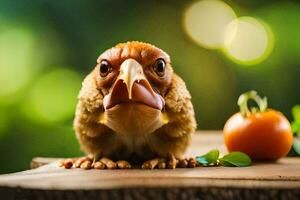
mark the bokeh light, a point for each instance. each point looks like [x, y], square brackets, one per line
[205, 22]
[16, 61]
[53, 96]
[248, 41]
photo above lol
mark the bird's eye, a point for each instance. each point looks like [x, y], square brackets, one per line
[160, 67]
[104, 68]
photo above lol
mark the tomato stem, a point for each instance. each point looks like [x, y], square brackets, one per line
[243, 103]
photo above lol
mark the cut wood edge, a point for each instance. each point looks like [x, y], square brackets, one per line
[162, 183]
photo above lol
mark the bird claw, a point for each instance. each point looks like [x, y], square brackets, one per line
[106, 163]
[88, 163]
[170, 163]
[156, 162]
[83, 163]
[160, 163]
[123, 164]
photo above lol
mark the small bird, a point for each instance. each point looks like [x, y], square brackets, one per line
[133, 104]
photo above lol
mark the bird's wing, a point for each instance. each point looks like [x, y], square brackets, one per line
[174, 137]
[178, 95]
[180, 109]
[90, 133]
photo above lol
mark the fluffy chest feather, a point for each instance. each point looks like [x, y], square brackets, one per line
[133, 124]
[135, 144]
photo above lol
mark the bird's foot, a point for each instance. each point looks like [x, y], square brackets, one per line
[106, 163]
[89, 163]
[83, 163]
[161, 163]
[170, 163]
[156, 162]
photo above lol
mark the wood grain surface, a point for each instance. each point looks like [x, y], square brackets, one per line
[283, 175]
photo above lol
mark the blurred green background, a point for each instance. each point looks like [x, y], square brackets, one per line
[47, 47]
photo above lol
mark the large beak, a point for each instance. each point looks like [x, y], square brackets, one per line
[130, 72]
[132, 86]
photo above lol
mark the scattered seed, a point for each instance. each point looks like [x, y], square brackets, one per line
[67, 164]
[192, 163]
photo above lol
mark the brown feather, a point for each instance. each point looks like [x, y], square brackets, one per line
[97, 139]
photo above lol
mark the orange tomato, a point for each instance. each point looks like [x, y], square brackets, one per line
[263, 135]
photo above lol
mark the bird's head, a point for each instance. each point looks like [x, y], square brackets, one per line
[133, 74]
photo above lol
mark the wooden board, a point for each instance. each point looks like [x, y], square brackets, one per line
[283, 175]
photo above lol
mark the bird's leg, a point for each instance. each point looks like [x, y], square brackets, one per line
[172, 162]
[97, 164]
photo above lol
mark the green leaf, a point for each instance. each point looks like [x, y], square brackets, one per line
[226, 164]
[296, 145]
[209, 158]
[296, 128]
[296, 113]
[235, 159]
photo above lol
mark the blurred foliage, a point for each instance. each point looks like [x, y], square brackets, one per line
[47, 47]
[296, 128]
